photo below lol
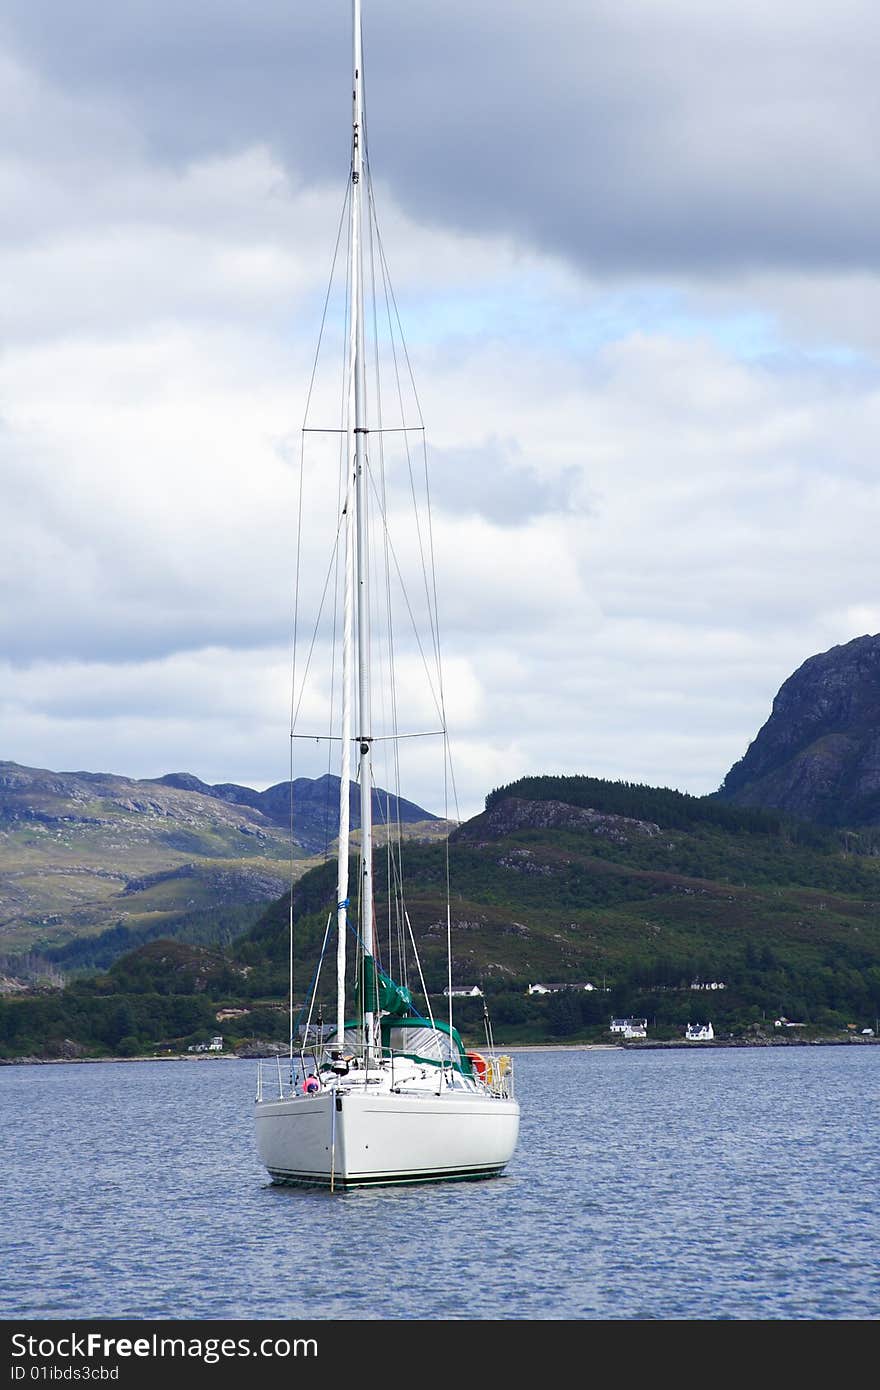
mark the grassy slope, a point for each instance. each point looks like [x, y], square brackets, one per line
[559, 905]
[77, 876]
[68, 878]
[791, 926]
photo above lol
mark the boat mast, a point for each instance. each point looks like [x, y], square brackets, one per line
[364, 737]
[356, 584]
[354, 437]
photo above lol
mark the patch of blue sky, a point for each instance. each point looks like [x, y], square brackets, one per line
[839, 368]
[555, 318]
[513, 310]
[758, 339]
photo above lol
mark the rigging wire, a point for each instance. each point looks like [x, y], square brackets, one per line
[340, 492]
[295, 637]
[315, 630]
[433, 607]
[393, 844]
[376, 485]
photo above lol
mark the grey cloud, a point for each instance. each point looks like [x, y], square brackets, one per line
[666, 137]
[652, 136]
[495, 482]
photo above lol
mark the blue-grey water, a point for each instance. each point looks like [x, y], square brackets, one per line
[699, 1185]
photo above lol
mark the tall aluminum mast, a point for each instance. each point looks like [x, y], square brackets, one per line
[362, 507]
[356, 585]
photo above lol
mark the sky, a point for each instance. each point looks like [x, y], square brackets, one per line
[635, 252]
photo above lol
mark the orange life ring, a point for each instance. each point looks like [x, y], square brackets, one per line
[478, 1062]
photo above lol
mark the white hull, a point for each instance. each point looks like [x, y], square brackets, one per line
[349, 1138]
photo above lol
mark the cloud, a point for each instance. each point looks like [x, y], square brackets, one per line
[633, 252]
[666, 137]
[492, 479]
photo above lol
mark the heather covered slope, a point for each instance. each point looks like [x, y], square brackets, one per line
[82, 853]
[88, 855]
[677, 890]
[641, 890]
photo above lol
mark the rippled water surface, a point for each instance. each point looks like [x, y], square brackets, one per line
[714, 1184]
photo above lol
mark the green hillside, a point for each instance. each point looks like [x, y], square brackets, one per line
[85, 856]
[640, 891]
[93, 864]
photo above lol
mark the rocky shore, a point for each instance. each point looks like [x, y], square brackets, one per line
[269, 1050]
[855, 1040]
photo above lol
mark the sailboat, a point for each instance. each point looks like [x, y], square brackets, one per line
[389, 1093]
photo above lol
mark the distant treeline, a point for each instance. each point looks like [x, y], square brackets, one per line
[215, 926]
[100, 1023]
[673, 810]
[168, 995]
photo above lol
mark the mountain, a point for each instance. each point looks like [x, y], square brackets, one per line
[92, 864]
[675, 908]
[574, 879]
[315, 801]
[818, 755]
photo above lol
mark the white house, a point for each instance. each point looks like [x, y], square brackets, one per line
[463, 992]
[215, 1045]
[699, 1032]
[630, 1027]
[708, 984]
[556, 989]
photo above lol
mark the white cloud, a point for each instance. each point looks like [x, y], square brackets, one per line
[654, 484]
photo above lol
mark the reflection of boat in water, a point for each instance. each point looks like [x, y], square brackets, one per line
[391, 1096]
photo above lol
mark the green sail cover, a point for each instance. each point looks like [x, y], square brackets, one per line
[382, 994]
[403, 1032]
[414, 1038]
[435, 1046]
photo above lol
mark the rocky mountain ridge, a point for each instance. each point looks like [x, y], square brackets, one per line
[84, 853]
[818, 755]
[517, 813]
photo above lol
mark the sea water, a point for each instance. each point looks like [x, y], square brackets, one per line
[685, 1184]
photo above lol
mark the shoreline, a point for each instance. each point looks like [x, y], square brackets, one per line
[679, 1044]
[686, 1046]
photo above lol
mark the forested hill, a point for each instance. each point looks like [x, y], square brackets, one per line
[672, 810]
[646, 893]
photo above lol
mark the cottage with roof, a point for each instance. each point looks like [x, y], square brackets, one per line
[558, 989]
[630, 1027]
[699, 1032]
